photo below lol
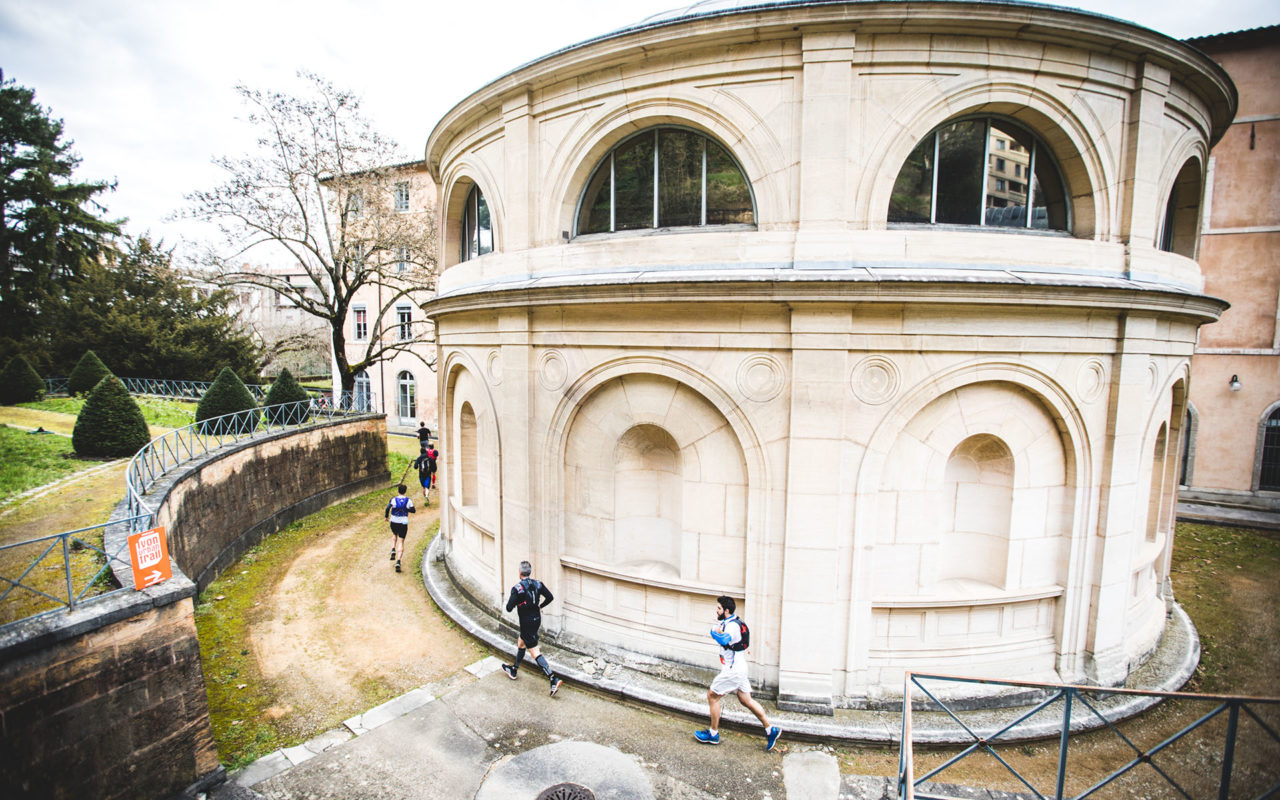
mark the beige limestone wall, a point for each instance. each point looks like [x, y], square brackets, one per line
[903, 446]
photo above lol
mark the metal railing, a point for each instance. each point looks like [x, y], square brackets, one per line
[1182, 763]
[171, 389]
[168, 451]
[74, 584]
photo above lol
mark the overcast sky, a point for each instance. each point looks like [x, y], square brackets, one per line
[146, 87]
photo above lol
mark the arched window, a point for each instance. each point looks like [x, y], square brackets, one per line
[362, 393]
[983, 171]
[477, 226]
[468, 452]
[1181, 223]
[665, 178]
[406, 396]
[1269, 466]
[1155, 493]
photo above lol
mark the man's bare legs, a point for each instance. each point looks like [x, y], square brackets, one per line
[714, 704]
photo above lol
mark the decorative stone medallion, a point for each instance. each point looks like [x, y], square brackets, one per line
[760, 378]
[875, 380]
[493, 367]
[1091, 380]
[552, 371]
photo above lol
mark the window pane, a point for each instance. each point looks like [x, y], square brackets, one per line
[960, 153]
[633, 194]
[728, 195]
[469, 226]
[1050, 211]
[913, 190]
[679, 178]
[484, 226]
[1006, 200]
[593, 217]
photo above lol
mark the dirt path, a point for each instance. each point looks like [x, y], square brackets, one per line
[342, 630]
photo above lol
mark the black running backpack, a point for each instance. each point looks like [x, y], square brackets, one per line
[745, 641]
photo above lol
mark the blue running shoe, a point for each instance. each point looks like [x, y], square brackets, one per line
[771, 738]
[707, 737]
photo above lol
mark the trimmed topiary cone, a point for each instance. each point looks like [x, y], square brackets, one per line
[227, 395]
[110, 423]
[285, 390]
[88, 373]
[20, 383]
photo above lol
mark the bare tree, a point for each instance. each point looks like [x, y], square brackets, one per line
[317, 199]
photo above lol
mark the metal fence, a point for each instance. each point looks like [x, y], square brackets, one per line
[82, 565]
[173, 449]
[1200, 746]
[170, 389]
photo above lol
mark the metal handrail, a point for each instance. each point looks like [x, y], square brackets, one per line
[1071, 697]
[171, 450]
[173, 389]
[66, 543]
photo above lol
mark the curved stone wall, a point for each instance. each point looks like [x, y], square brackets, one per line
[902, 444]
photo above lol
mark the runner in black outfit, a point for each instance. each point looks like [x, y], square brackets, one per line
[528, 597]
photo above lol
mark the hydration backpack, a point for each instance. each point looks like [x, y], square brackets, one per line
[745, 641]
[399, 504]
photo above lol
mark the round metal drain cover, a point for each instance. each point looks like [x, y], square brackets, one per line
[567, 791]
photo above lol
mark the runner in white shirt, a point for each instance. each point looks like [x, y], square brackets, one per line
[733, 675]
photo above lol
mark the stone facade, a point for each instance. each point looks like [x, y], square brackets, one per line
[921, 445]
[1238, 253]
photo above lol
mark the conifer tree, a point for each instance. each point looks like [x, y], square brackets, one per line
[19, 383]
[110, 423]
[227, 395]
[87, 374]
[285, 390]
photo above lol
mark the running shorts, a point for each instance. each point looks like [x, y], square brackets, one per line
[400, 529]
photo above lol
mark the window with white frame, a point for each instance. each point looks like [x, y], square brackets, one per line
[402, 258]
[407, 396]
[360, 323]
[404, 322]
[402, 196]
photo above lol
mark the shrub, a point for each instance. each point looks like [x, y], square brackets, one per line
[88, 373]
[20, 383]
[227, 395]
[286, 390]
[110, 424]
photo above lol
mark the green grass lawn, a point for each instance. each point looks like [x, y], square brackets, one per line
[31, 460]
[161, 413]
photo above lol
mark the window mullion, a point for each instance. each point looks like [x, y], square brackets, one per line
[986, 173]
[933, 197]
[655, 178]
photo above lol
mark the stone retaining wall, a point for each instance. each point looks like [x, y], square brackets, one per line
[108, 700]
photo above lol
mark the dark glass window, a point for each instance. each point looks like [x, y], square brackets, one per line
[1269, 479]
[971, 187]
[477, 227]
[665, 178]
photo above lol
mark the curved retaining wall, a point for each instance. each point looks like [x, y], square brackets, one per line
[109, 701]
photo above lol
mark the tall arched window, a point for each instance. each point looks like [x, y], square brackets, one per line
[1155, 495]
[1269, 466]
[665, 178]
[477, 226]
[363, 392]
[983, 171]
[1181, 223]
[406, 396]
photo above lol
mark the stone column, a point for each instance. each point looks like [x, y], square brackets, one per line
[519, 200]
[1120, 500]
[811, 569]
[1143, 206]
[513, 370]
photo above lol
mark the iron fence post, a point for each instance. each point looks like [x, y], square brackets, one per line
[1062, 745]
[66, 571]
[1233, 717]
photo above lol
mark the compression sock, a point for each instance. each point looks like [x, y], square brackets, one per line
[519, 659]
[546, 668]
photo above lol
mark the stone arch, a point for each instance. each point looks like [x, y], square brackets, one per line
[455, 186]
[1068, 136]
[1190, 431]
[1182, 196]
[1258, 452]
[615, 591]
[474, 530]
[1068, 630]
[741, 132]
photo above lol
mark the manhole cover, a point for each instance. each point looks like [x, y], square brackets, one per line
[567, 791]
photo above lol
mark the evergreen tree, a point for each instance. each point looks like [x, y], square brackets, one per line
[50, 225]
[158, 324]
[110, 423]
[86, 375]
[19, 383]
[227, 395]
[285, 390]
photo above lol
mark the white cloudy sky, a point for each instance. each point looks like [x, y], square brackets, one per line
[145, 87]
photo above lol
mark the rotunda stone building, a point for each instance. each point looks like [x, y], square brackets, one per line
[874, 315]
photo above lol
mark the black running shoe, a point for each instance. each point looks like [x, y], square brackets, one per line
[510, 670]
[555, 686]
[397, 566]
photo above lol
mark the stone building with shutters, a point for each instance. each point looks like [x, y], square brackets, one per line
[877, 316]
